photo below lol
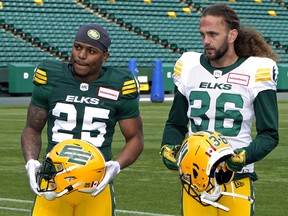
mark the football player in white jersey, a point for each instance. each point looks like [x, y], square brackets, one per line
[224, 89]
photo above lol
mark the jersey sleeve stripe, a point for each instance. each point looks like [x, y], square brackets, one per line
[129, 91]
[39, 71]
[261, 70]
[262, 74]
[129, 82]
[263, 79]
[177, 73]
[129, 87]
[178, 68]
[40, 77]
[43, 82]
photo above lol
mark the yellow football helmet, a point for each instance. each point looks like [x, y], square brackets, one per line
[201, 161]
[71, 165]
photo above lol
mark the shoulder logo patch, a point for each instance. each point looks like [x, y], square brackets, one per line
[108, 93]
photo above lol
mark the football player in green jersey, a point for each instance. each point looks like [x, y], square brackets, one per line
[224, 89]
[83, 100]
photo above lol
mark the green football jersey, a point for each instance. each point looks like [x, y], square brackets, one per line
[86, 111]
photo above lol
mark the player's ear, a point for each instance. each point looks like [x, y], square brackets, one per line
[232, 35]
[106, 56]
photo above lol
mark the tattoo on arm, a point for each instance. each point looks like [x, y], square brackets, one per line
[36, 117]
[31, 135]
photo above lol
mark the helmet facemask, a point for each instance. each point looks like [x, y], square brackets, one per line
[45, 177]
[192, 190]
[212, 191]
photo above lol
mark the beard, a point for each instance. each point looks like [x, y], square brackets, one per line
[219, 53]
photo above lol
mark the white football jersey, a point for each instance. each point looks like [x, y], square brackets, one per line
[222, 99]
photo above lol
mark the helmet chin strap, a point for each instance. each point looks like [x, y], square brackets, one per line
[211, 198]
[215, 204]
[69, 189]
[237, 195]
[51, 195]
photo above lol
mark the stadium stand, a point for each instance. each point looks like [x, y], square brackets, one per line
[140, 29]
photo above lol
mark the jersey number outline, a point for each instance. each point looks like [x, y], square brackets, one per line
[88, 125]
[222, 114]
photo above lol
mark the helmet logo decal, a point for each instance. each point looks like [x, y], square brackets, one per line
[210, 151]
[75, 154]
[239, 184]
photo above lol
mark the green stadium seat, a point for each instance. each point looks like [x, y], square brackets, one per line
[134, 26]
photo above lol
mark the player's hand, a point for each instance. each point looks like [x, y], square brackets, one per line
[32, 167]
[237, 161]
[168, 154]
[111, 170]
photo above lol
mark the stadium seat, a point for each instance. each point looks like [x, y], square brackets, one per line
[131, 24]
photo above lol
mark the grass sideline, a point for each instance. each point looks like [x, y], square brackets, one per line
[147, 187]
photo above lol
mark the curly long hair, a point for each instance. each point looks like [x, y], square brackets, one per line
[249, 42]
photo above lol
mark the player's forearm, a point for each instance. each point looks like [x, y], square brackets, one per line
[267, 137]
[173, 135]
[31, 135]
[261, 146]
[133, 132]
[31, 144]
[176, 125]
[131, 151]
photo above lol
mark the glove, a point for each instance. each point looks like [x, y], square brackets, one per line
[112, 169]
[237, 161]
[168, 154]
[32, 167]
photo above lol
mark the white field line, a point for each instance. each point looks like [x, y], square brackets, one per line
[29, 201]
[15, 209]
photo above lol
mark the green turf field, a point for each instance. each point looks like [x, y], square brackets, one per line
[147, 187]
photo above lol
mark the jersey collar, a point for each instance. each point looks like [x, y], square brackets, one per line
[211, 69]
